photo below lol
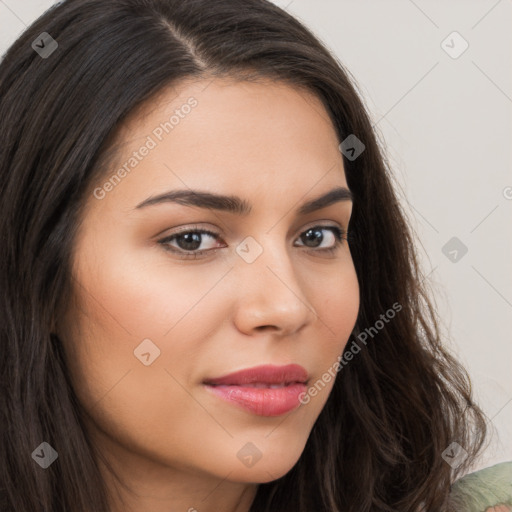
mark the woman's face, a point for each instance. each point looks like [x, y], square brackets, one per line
[155, 321]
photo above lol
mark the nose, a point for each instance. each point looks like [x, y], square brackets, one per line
[270, 296]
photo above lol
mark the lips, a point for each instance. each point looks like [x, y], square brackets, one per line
[264, 390]
[267, 375]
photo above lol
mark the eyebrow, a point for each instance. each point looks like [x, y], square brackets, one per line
[237, 205]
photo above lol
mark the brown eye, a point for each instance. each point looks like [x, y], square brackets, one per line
[314, 237]
[190, 243]
[187, 243]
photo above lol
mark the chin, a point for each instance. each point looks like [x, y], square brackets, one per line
[267, 469]
[261, 475]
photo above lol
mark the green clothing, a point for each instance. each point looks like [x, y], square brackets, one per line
[485, 488]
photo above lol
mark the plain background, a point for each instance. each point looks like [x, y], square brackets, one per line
[446, 126]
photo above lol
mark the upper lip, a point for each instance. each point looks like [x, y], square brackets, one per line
[264, 374]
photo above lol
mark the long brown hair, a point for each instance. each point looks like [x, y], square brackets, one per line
[378, 443]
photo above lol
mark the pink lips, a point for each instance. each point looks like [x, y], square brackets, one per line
[266, 390]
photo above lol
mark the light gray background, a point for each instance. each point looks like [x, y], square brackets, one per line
[446, 126]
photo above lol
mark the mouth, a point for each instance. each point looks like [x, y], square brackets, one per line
[263, 390]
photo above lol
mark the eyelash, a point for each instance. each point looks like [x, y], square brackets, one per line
[340, 235]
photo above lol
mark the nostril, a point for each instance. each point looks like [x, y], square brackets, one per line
[265, 327]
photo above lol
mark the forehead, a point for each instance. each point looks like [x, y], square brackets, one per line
[224, 110]
[219, 134]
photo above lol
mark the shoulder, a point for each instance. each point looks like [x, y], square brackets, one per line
[489, 489]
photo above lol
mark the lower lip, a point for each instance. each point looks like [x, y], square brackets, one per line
[262, 401]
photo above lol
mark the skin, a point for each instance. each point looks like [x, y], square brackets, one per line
[173, 443]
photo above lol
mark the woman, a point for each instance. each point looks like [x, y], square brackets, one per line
[211, 299]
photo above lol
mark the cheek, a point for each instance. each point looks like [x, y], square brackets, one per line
[144, 407]
[136, 309]
[337, 305]
[139, 294]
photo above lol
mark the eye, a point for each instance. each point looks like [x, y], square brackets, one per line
[188, 243]
[314, 236]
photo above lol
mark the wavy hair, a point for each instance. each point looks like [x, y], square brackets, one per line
[378, 443]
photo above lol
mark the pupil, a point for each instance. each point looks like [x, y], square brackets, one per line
[313, 235]
[192, 241]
